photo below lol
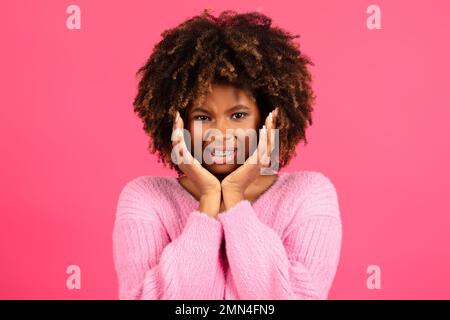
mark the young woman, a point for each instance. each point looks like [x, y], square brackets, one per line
[222, 229]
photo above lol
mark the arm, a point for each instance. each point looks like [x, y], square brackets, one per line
[300, 265]
[150, 267]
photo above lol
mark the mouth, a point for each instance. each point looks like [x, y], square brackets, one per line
[221, 155]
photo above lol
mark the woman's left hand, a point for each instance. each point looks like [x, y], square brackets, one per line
[234, 185]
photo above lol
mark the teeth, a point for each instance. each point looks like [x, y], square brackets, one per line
[225, 153]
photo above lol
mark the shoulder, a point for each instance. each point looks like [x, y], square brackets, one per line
[308, 181]
[144, 186]
[313, 192]
[139, 195]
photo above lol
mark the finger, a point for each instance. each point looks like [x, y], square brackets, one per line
[176, 129]
[178, 141]
[262, 147]
[271, 125]
[253, 158]
[186, 162]
[265, 147]
[189, 161]
[184, 150]
[275, 116]
[190, 165]
[269, 135]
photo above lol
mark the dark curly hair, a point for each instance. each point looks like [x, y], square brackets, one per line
[244, 50]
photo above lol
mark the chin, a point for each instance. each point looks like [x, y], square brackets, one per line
[221, 169]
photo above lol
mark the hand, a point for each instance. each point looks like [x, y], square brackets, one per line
[234, 185]
[207, 184]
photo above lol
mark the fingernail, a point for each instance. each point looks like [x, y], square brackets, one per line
[270, 116]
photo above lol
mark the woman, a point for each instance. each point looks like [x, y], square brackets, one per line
[224, 229]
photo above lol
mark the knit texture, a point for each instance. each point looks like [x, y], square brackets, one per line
[285, 245]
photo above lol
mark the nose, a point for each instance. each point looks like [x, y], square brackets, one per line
[223, 126]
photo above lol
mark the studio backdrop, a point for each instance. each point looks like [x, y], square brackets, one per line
[70, 140]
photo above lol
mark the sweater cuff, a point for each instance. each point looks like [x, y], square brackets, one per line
[203, 229]
[243, 210]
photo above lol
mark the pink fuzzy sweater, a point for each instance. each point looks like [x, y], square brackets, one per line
[285, 245]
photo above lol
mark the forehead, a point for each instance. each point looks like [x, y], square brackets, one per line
[223, 95]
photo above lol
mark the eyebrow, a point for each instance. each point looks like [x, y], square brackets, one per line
[200, 109]
[236, 107]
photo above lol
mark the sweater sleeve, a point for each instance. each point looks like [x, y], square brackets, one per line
[150, 267]
[299, 265]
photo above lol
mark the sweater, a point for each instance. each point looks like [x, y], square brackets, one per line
[285, 245]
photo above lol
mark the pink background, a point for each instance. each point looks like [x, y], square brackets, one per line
[70, 140]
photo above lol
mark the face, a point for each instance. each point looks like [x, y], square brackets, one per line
[219, 116]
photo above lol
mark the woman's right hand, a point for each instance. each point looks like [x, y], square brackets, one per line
[206, 183]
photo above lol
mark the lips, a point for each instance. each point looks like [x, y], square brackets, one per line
[220, 148]
[221, 154]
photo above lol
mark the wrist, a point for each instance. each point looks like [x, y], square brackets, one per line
[231, 188]
[211, 191]
[210, 203]
[232, 197]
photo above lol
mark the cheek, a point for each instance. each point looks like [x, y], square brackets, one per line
[196, 133]
[251, 122]
[247, 143]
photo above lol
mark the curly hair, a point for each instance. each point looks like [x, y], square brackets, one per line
[244, 50]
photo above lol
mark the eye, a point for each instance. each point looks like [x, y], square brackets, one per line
[239, 115]
[201, 118]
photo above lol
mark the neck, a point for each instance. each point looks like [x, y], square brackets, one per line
[221, 176]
